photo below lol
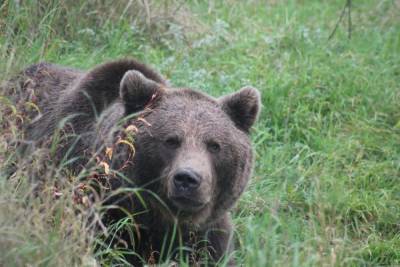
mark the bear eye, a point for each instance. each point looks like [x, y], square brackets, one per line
[172, 142]
[213, 147]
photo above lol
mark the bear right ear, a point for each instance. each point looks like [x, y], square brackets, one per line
[136, 91]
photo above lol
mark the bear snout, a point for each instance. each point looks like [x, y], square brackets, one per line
[187, 190]
[185, 181]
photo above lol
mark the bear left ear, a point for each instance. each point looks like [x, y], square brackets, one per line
[137, 91]
[242, 107]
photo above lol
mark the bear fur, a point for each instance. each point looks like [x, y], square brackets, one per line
[189, 152]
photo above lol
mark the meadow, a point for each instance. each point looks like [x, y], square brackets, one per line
[325, 189]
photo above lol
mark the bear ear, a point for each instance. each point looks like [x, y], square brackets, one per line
[242, 107]
[136, 91]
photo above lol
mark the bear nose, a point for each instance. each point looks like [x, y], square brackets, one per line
[186, 180]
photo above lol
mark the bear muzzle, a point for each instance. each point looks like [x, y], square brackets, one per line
[186, 190]
[185, 181]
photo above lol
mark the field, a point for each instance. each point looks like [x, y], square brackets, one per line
[325, 189]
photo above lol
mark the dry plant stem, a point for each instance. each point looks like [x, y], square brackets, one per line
[148, 15]
[347, 6]
[349, 17]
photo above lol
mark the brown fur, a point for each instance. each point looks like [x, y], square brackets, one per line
[180, 132]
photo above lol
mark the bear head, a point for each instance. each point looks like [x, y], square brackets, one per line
[192, 151]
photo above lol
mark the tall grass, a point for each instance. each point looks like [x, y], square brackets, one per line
[325, 189]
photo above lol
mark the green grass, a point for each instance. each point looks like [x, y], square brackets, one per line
[325, 189]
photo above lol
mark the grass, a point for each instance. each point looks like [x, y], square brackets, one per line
[325, 190]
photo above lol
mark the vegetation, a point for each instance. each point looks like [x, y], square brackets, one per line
[325, 190]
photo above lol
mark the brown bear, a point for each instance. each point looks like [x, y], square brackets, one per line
[189, 153]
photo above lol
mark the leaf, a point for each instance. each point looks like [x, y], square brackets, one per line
[131, 128]
[106, 167]
[109, 152]
[85, 201]
[57, 194]
[144, 121]
[122, 141]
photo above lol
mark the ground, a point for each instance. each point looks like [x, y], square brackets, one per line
[325, 188]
